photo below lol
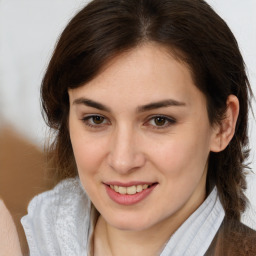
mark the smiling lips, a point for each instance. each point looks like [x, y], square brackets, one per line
[129, 190]
[129, 195]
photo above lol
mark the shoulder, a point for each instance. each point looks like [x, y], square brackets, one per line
[234, 239]
[58, 220]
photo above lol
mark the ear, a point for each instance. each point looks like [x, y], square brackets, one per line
[224, 131]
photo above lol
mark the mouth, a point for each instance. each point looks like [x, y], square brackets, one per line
[129, 194]
[131, 190]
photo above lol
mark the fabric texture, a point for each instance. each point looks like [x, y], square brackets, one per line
[58, 223]
[233, 239]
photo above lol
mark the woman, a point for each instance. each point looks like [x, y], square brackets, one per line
[149, 101]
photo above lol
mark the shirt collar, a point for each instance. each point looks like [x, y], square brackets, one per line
[195, 235]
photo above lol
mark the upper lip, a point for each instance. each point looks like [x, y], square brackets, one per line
[128, 184]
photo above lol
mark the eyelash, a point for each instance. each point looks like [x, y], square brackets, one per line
[88, 120]
[168, 121]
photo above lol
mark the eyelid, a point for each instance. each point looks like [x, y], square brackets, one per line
[170, 120]
[85, 119]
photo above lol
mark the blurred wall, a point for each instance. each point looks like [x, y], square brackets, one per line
[22, 175]
[28, 32]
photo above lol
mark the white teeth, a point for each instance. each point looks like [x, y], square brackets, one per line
[122, 190]
[129, 190]
[139, 188]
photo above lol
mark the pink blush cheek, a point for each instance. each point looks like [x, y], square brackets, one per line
[88, 156]
[170, 159]
[178, 160]
[89, 160]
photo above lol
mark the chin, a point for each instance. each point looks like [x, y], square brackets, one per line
[129, 223]
[130, 226]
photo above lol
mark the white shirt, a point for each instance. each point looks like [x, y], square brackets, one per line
[58, 224]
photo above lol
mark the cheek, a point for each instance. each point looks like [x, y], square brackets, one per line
[88, 155]
[88, 151]
[88, 158]
[182, 156]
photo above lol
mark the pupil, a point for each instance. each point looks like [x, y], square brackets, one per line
[160, 121]
[97, 119]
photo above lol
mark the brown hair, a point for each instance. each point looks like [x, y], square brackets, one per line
[194, 33]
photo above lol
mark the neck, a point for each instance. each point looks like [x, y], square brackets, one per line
[110, 241]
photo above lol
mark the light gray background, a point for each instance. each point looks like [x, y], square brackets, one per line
[28, 32]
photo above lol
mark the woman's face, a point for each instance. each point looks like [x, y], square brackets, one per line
[141, 139]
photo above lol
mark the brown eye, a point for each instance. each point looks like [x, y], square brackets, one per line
[98, 119]
[160, 121]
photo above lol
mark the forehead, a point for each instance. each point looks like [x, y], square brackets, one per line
[146, 73]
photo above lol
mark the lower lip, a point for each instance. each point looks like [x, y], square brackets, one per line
[129, 199]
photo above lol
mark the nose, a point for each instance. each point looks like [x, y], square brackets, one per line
[125, 154]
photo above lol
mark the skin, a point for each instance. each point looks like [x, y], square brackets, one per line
[126, 144]
[9, 244]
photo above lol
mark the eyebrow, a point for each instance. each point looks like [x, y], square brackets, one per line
[91, 103]
[143, 108]
[160, 104]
